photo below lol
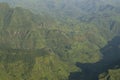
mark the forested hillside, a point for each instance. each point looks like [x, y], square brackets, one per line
[55, 39]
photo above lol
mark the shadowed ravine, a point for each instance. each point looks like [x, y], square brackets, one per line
[110, 60]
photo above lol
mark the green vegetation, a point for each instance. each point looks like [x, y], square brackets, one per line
[46, 42]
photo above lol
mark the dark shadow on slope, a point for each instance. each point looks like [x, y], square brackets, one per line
[110, 60]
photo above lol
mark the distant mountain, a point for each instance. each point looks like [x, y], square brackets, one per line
[104, 14]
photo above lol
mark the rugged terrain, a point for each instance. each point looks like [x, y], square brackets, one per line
[56, 40]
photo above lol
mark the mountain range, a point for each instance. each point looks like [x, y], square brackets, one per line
[44, 39]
